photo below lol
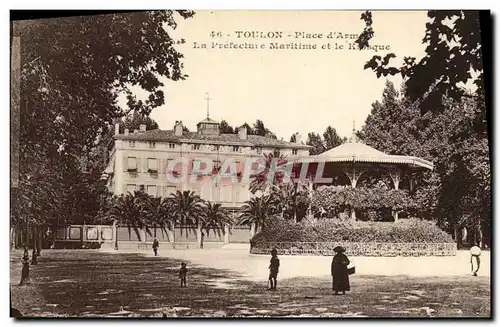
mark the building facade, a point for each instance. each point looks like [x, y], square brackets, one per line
[139, 160]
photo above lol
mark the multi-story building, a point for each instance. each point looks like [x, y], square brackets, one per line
[139, 159]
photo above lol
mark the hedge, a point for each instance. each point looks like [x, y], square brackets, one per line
[335, 230]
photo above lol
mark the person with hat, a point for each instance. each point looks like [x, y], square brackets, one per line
[340, 275]
[475, 253]
[156, 245]
[273, 270]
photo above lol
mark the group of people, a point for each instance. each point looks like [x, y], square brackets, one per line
[339, 270]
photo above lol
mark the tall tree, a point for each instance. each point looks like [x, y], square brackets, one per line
[224, 127]
[453, 56]
[69, 92]
[136, 119]
[332, 139]
[314, 140]
[457, 192]
[214, 218]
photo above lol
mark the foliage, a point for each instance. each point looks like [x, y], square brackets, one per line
[453, 56]
[458, 191]
[224, 127]
[260, 129]
[214, 218]
[69, 95]
[335, 230]
[158, 213]
[332, 139]
[330, 201]
[135, 120]
[257, 210]
[126, 210]
[261, 181]
[186, 207]
[142, 211]
[314, 140]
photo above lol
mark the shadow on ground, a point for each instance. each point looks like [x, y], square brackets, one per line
[90, 283]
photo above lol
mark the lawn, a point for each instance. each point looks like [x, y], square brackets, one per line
[86, 283]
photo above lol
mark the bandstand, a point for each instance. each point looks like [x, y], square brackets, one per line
[354, 159]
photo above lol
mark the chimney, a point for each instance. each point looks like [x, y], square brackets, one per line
[126, 131]
[178, 128]
[142, 127]
[117, 128]
[136, 131]
[242, 132]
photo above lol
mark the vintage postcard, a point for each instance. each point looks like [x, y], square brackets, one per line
[197, 163]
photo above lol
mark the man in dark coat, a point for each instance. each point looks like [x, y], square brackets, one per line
[156, 245]
[340, 276]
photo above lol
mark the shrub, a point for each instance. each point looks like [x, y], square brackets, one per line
[336, 230]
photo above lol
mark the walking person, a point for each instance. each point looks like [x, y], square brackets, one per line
[183, 274]
[340, 275]
[156, 245]
[273, 270]
[475, 253]
[201, 240]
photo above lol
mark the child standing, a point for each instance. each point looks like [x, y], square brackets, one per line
[273, 269]
[182, 274]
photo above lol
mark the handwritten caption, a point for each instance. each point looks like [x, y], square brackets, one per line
[280, 40]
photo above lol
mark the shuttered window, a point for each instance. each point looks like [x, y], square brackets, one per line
[132, 164]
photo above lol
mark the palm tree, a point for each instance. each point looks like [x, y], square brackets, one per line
[186, 207]
[214, 217]
[158, 213]
[260, 181]
[126, 211]
[256, 210]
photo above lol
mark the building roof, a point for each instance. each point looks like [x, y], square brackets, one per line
[159, 135]
[355, 151]
[207, 120]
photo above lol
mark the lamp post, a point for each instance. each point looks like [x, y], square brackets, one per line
[115, 227]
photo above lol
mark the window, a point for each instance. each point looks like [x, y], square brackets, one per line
[259, 150]
[152, 144]
[131, 143]
[131, 188]
[168, 191]
[152, 165]
[132, 164]
[141, 188]
[196, 146]
[236, 148]
[294, 151]
[152, 190]
[171, 145]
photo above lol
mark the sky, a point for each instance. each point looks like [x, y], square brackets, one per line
[289, 90]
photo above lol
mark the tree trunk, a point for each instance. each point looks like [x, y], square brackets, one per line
[198, 234]
[40, 239]
[456, 235]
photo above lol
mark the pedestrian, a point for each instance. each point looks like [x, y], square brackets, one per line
[340, 275]
[201, 240]
[156, 245]
[182, 274]
[273, 270]
[25, 272]
[475, 253]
